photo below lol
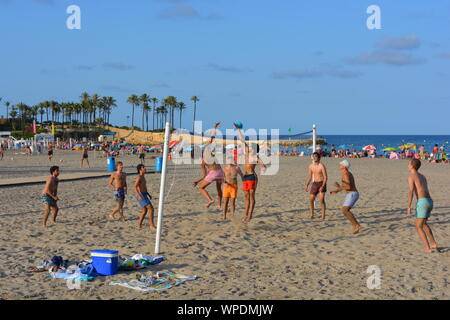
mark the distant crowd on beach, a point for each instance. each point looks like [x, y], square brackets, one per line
[437, 155]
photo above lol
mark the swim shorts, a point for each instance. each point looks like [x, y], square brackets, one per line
[214, 175]
[315, 188]
[142, 156]
[230, 191]
[249, 182]
[50, 152]
[350, 199]
[119, 194]
[85, 156]
[146, 199]
[47, 200]
[423, 208]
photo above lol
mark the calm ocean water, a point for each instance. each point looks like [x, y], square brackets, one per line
[357, 142]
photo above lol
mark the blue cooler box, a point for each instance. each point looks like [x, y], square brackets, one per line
[105, 262]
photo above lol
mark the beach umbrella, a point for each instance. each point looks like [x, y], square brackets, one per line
[160, 146]
[390, 149]
[173, 144]
[409, 145]
[370, 147]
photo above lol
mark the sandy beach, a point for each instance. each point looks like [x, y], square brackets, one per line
[281, 254]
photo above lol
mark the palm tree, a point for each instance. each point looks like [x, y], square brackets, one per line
[154, 101]
[164, 112]
[108, 102]
[171, 101]
[181, 106]
[7, 104]
[22, 107]
[52, 105]
[78, 108]
[41, 110]
[85, 102]
[134, 101]
[147, 109]
[195, 99]
[111, 103]
[144, 99]
[68, 110]
[13, 115]
[47, 107]
[95, 101]
[34, 112]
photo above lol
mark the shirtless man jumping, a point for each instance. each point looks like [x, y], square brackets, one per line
[318, 174]
[118, 182]
[211, 172]
[230, 190]
[418, 186]
[348, 184]
[49, 195]
[144, 198]
[250, 179]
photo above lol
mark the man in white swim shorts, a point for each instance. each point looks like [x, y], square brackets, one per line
[348, 184]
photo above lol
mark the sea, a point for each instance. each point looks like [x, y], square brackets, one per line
[357, 142]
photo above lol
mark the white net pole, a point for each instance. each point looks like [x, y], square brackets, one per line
[314, 138]
[162, 189]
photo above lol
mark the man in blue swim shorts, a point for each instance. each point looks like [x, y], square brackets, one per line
[418, 186]
[349, 185]
[144, 198]
[118, 182]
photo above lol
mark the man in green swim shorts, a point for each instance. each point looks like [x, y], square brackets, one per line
[49, 196]
[418, 186]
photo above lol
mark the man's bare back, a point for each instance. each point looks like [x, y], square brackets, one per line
[420, 185]
[348, 179]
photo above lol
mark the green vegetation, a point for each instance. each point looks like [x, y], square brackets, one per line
[92, 111]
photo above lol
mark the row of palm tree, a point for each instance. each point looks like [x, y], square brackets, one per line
[97, 110]
[83, 112]
[166, 108]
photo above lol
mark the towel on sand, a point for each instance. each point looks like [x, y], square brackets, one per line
[158, 282]
[138, 261]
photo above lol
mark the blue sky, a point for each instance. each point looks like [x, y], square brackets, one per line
[269, 64]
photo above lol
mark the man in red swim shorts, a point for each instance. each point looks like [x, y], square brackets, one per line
[318, 174]
[249, 180]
